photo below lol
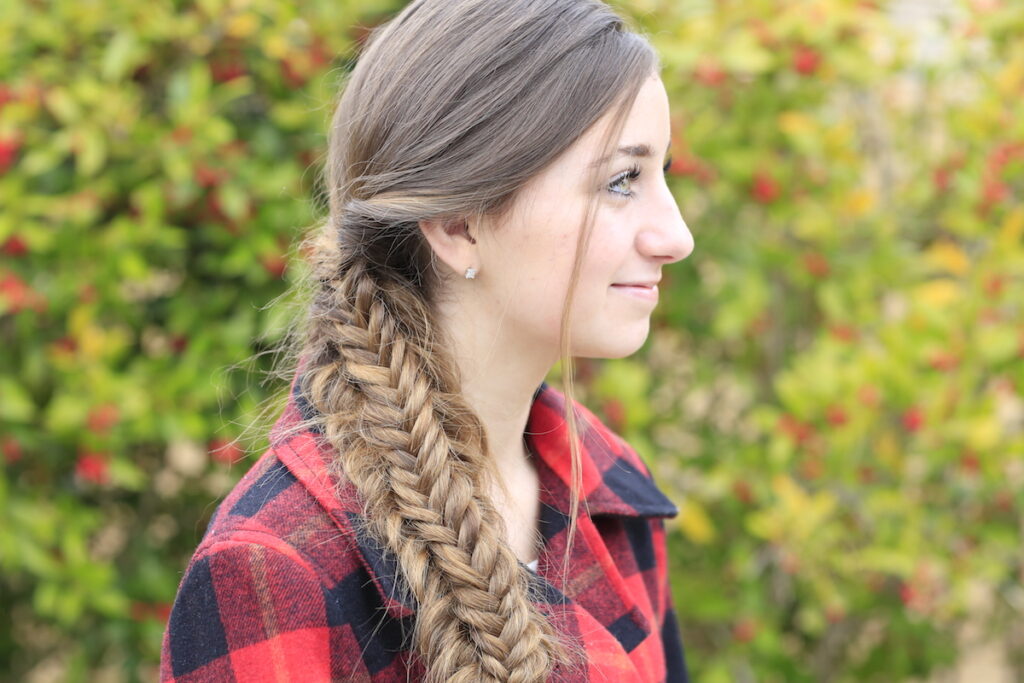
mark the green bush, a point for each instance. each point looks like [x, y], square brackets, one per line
[832, 391]
[158, 160]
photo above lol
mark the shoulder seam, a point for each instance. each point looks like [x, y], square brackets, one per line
[243, 537]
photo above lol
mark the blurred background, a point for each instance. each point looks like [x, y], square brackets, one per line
[832, 391]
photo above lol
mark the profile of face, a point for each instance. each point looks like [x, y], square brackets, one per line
[525, 263]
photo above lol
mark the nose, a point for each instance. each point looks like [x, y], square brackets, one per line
[665, 235]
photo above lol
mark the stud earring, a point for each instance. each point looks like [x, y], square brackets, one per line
[470, 273]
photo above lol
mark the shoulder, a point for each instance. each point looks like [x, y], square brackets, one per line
[273, 507]
[595, 431]
[276, 577]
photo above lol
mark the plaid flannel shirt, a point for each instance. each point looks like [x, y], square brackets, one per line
[284, 585]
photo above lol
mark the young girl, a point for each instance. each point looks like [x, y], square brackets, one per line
[429, 507]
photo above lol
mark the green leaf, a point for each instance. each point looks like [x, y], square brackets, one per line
[92, 150]
[15, 403]
[123, 53]
[65, 413]
[744, 54]
[127, 475]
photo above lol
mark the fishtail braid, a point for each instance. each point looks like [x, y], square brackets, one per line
[417, 455]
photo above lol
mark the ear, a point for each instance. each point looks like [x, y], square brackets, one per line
[452, 242]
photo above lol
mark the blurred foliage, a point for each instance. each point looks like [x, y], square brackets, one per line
[832, 391]
[157, 161]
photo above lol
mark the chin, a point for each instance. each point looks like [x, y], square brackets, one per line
[618, 344]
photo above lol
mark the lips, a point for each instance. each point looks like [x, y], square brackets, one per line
[650, 284]
[646, 291]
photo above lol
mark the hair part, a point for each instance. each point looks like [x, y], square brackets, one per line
[452, 107]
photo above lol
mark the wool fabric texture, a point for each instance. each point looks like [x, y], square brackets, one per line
[284, 585]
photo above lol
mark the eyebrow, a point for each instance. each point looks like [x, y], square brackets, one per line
[641, 151]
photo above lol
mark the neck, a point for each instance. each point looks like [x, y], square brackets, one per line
[500, 374]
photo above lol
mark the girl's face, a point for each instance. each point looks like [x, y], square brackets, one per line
[526, 263]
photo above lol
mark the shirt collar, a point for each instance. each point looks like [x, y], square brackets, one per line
[615, 481]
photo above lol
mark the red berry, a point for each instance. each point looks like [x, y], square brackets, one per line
[816, 264]
[994, 286]
[19, 295]
[87, 293]
[686, 164]
[207, 176]
[181, 134]
[913, 419]
[943, 361]
[797, 430]
[6, 95]
[969, 462]
[993, 192]
[760, 324]
[744, 630]
[836, 415]
[765, 189]
[765, 36]
[65, 346]
[293, 74]
[1003, 154]
[225, 70]
[806, 60]
[92, 467]
[11, 450]
[274, 264]
[224, 451]
[834, 614]
[14, 246]
[102, 418]
[162, 611]
[9, 147]
[846, 333]
[990, 315]
[709, 72]
[320, 54]
[683, 165]
[179, 343]
[615, 412]
[743, 492]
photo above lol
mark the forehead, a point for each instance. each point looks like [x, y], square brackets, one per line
[646, 123]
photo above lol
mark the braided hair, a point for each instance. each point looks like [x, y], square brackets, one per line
[451, 108]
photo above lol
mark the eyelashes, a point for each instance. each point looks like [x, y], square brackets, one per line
[629, 175]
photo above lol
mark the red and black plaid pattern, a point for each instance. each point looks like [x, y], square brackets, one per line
[286, 586]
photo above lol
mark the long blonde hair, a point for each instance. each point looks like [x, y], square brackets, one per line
[451, 108]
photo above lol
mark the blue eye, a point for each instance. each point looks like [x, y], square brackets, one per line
[630, 175]
[625, 177]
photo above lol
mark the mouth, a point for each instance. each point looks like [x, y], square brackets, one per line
[648, 290]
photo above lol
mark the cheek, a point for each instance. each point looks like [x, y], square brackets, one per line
[545, 258]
